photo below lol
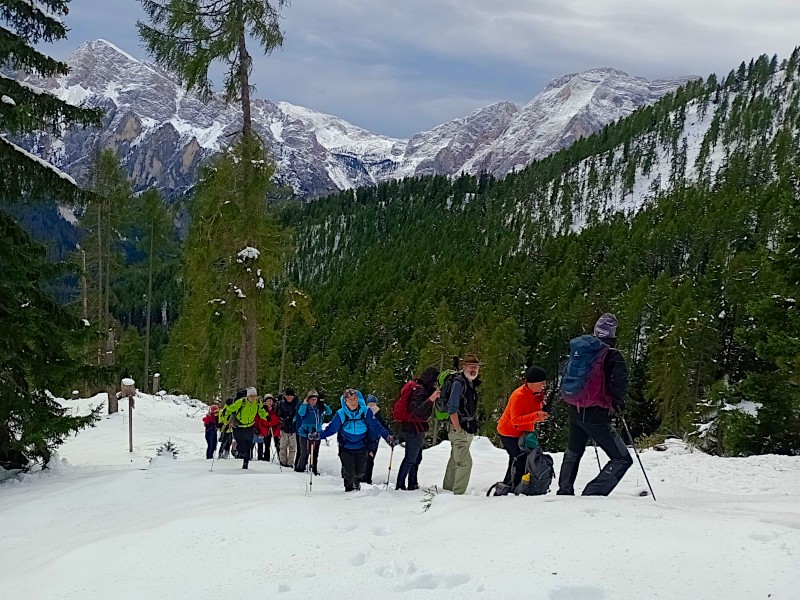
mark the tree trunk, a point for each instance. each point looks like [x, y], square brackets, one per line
[100, 248]
[248, 357]
[147, 318]
[283, 357]
[244, 75]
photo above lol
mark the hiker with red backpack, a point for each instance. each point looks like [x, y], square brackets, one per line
[523, 411]
[412, 410]
[594, 384]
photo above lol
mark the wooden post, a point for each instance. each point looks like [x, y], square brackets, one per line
[156, 383]
[129, 391]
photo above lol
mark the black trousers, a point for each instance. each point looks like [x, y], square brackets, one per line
[367, 477]
[511, 445]
[593, 423]
[304, 449]
[244, 442]
[263, 449]
[353, 464]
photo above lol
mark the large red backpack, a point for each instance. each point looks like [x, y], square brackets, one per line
[400, 410]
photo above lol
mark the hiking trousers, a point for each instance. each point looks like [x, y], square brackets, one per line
[593, 423]
[225, 444]
[244, 442]
[513, 472]
[304, 453]
[263, 448]
[211, 440]
[411, 461]
[459, 467]
[353, 464]
[287, 449]
[370, 465]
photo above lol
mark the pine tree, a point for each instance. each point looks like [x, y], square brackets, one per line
[41, 340]
[187, 37]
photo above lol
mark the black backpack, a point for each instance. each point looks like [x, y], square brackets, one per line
[539, 466]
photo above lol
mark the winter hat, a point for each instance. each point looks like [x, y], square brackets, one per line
[429, 377]
[289, 392]
[471, 359]
[214, 408]
[312, 394]
[371, 399]
[606, 326]
[268, 397]
[251, 391]
[534, 374]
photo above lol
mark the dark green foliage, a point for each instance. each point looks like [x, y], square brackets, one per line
[41, 351]
[405, 274]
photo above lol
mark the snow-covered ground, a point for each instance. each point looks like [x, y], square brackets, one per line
[103, 523]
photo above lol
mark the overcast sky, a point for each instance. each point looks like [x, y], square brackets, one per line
[402, 66]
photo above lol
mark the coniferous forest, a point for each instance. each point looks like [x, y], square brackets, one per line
[682, 219]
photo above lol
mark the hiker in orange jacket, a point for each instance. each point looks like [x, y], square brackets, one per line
[522, 413]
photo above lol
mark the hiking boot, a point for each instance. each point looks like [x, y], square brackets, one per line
[245, 465]
[413, 486]
[564, 493]
[400, 487]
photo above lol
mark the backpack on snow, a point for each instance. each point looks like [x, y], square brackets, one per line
[583, 378]
[540, 468]
[401, 411]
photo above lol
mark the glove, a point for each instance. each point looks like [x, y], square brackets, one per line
[542, 416]
[313, 436]
[392, 441]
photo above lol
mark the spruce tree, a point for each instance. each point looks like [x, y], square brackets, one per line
[41, 340]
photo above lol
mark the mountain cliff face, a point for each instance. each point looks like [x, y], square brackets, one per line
[162, 134]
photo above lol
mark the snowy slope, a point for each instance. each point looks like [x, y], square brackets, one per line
[163, 133]
[105, 527]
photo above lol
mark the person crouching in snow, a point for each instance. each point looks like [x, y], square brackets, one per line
[310, 415]
[353, 421]
[373, 439]
[211, 422]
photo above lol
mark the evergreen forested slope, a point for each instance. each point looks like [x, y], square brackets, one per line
[682, 219]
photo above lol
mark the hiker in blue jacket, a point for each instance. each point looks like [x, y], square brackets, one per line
[309, 424]
[353, 422]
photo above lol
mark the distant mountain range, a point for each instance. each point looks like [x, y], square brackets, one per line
[162, 134]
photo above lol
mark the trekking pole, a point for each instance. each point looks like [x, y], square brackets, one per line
[597, 455]
[630, 437]
[389, 475]
[310, 466]
[213, 458]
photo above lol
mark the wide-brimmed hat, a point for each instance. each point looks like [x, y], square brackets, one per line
[470, 359]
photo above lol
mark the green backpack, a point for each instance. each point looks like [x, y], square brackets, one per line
[445, 381]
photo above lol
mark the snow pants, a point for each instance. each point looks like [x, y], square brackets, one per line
[353, 464]
[225, 444]
[593, 423]
[459, 467]
[411, 461]
[211, 440]
[367, 477]
[305, 447]
[287, 452]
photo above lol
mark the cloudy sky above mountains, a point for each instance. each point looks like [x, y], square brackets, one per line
[401, 67]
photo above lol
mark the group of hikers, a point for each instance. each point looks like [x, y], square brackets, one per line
[593, 384]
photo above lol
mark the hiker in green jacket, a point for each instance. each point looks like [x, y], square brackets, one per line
[242, 414]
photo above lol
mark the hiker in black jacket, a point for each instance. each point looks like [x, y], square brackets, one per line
[592, 408]
[287, 411]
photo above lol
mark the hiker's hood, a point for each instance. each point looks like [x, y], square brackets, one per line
[361, 404]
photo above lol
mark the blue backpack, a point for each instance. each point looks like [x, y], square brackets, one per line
[583, 382]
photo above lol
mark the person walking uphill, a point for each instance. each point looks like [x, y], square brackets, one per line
[268, 429]
[522, 413]
[373, 439]
[309, 417]
[353, 421]
[211, 423]
[594, 385]
[287, 411]
[462, 405]
[243, 414]
[413, 411]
